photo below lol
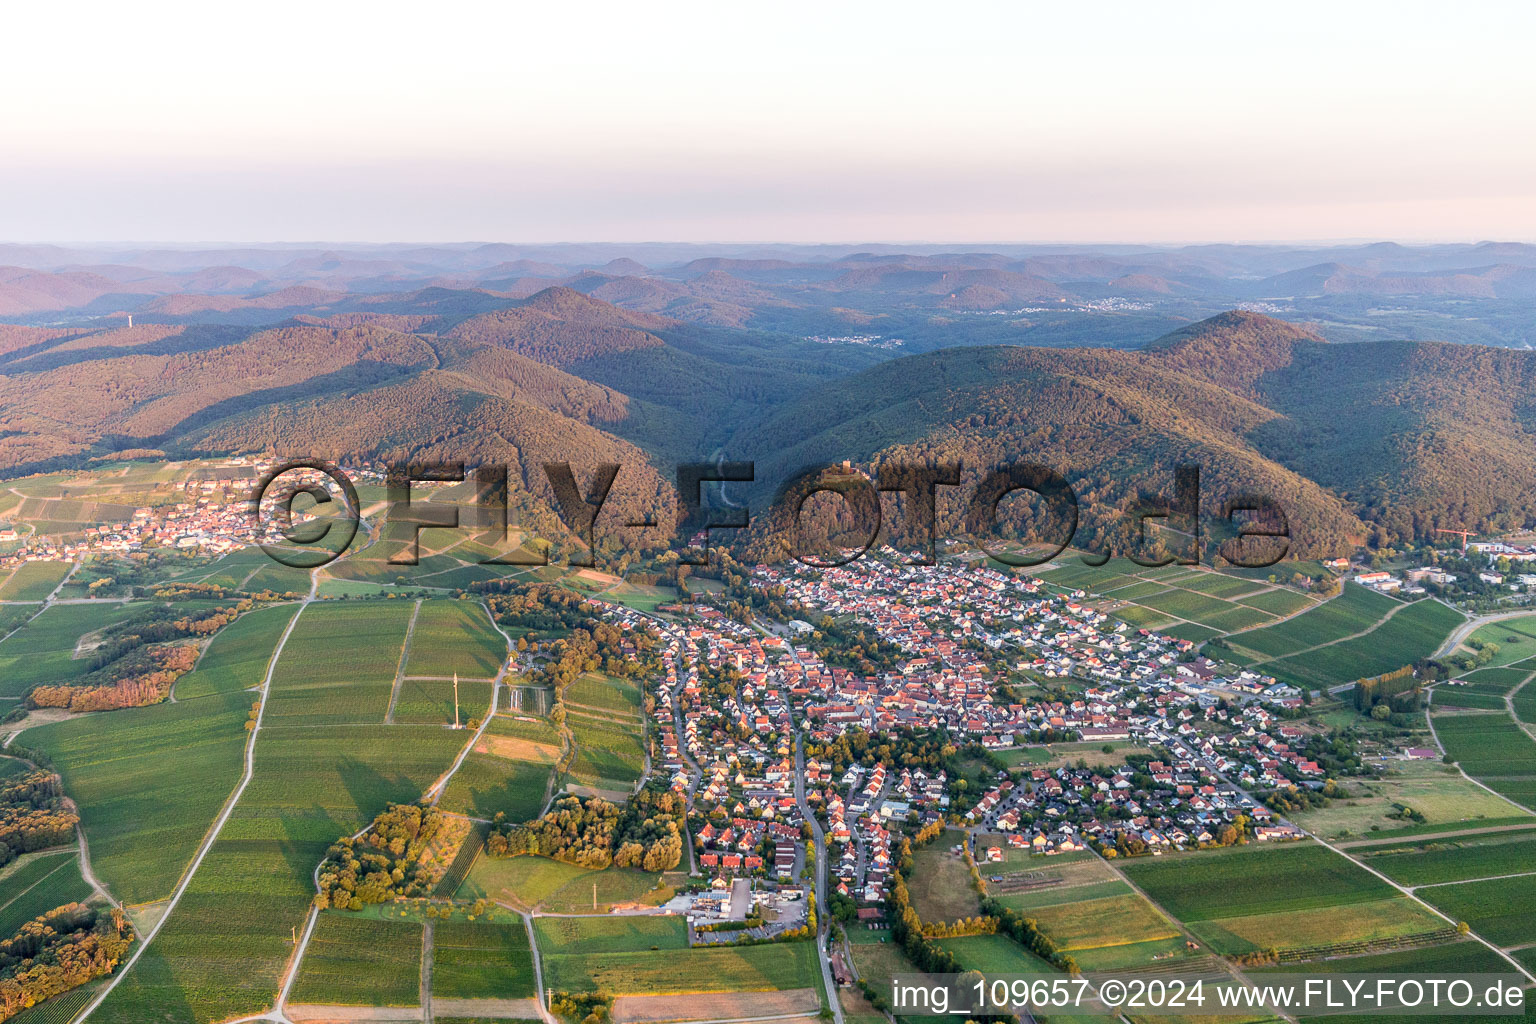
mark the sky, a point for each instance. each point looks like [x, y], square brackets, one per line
[798, 122]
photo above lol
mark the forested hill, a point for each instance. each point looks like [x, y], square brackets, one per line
[1383, 438]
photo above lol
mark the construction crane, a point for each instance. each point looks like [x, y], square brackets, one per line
[1463, 534]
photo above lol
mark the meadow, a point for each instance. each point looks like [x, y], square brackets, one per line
[993, 954]
[940, 885]
[149, 782]
[238, 656]
[359, 961]
[1435, 790]
[624, 934]
[481, 960]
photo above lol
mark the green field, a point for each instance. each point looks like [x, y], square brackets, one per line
[940, 884]
[1415, 632]
[786, 965]
[551, 885]
[1435, 790]
[430, 701]
[609, 754]
[238, 656]
[481, 960]
[488, 783]
[625, 934]
[339, 664]
[149, 782]
[359, 961]
[604, 693]
[222, 951]
[33, 581]
[42, 651]
[1494, 749]
[1355, 609]
[1107, 921]
[993, 954]
[455, 636]
[1253, 879]
[1433, 861]
[1499, 910]
[38, 886]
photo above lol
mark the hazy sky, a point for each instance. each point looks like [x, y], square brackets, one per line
[821, 121]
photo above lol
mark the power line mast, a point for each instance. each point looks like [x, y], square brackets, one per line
[455, 700]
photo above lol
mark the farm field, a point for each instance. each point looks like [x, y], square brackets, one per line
[993, 954]
[1107, 921]
[430, 701]
[42, 651]
[1434, 861]
[487, 782]
[1318, 927]
[609, 754]
[1499, 910]
[222, 951]
[359, 961]
[339, 664]
[530, 883]
[765, 968]
[38, 886]
[149, 782]
[1355, 609]
[454, 636]
[610, 934]
[1415, 632]
[475, 960]
[238, 655]
[1492, 748]
[940, 885]
[1179, 600]
[33, 581]
[1214, 884]
[604, 693]
[1435, 790]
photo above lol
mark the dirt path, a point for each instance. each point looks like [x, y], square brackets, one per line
[1343, 639]
[425, 995]
[218, 825]
[1429, 708]
[405, 653]
[538, 972]
[1509, 703]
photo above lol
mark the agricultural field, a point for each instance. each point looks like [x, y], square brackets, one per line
[940, 886]
[1494, 749]
[1438, 860]
[33, 581]
[503, 773]
[38, 884]
[636, 969]
[359, 961]
[1107, 921]
[339, 664]
[993, 954]
[481, 960]
[605, 694]
[238, 656]
[1500, 910]
[538, 883]
[1182, 601]
[1296, 897]
[454, 636]
[609, 934]
[1354, 610]
[430, 701]
[149, 782]
[1482, 690]
[43, 650]
[1415, 632]
[609, 754]
[1435, 790]
[223, 950]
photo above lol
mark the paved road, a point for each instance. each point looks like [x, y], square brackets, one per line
[823, 918]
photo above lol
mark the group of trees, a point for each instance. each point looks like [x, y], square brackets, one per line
[1398, 690]
[33, 814]
[57, 951]
[1291, 800]
[383, 863]
[144, 676]
[591, 832]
